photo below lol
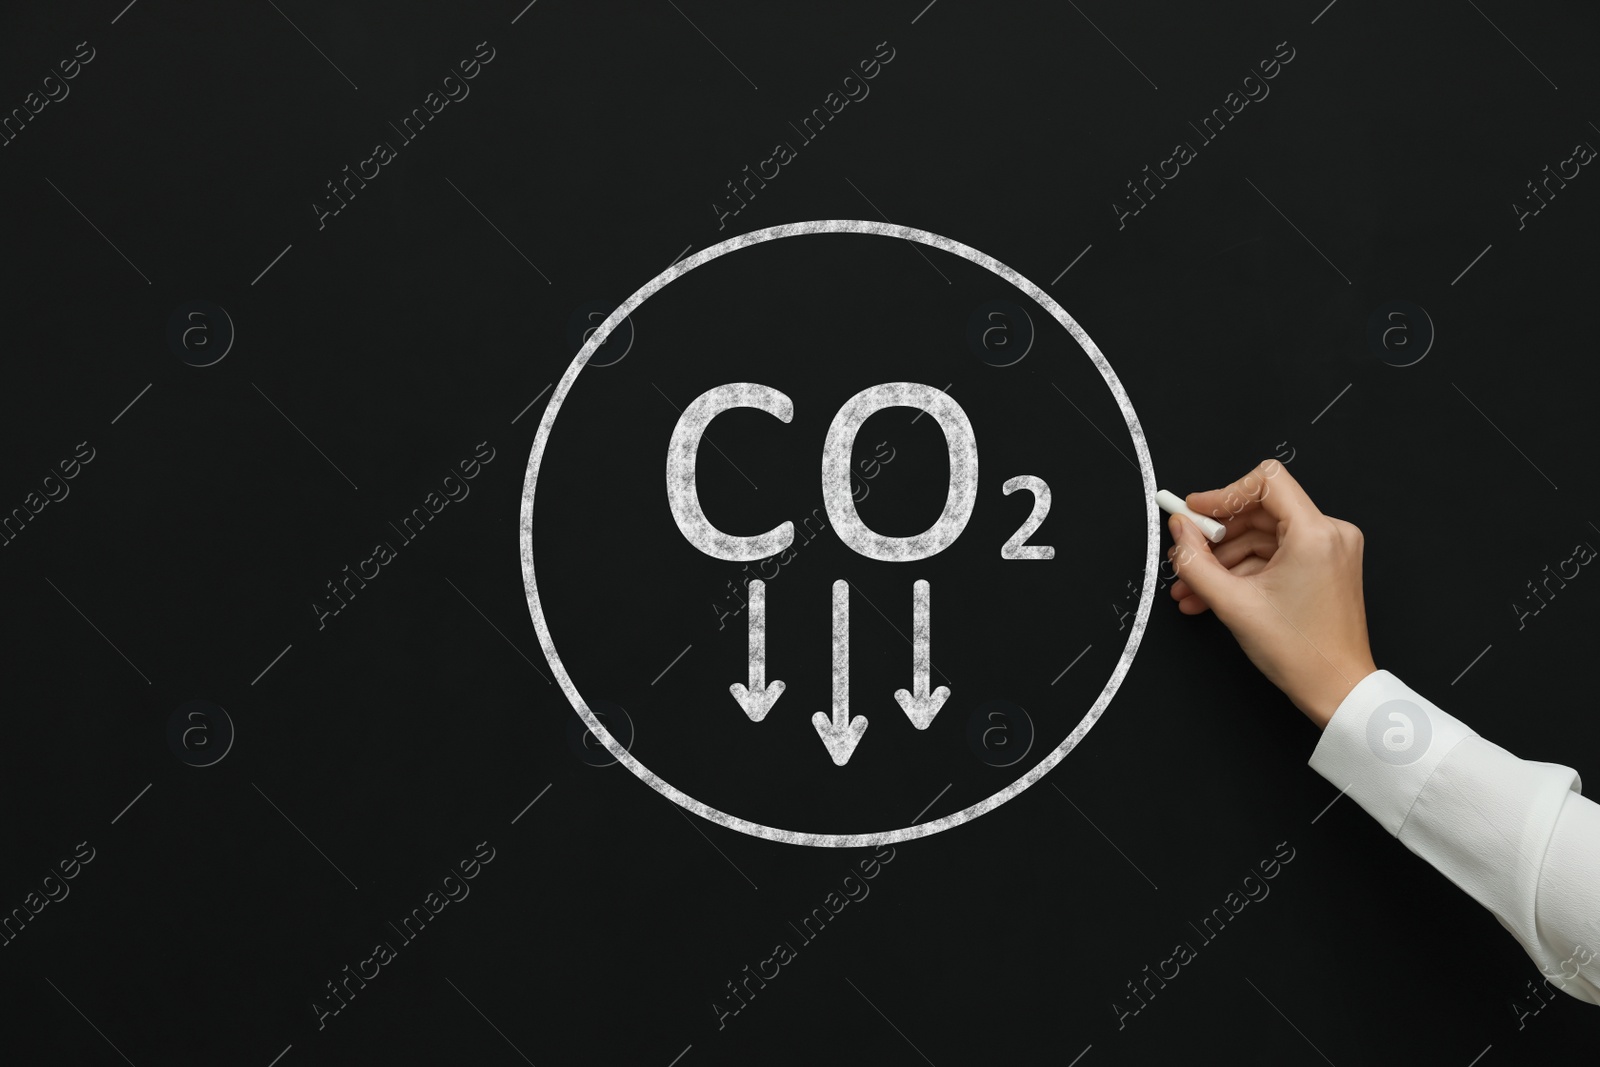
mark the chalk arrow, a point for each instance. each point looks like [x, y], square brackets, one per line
[921, 706]
[757, 699]
[841, 734]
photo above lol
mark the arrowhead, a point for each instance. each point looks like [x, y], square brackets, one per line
[757, 702]
[922, 709]
[840, 740]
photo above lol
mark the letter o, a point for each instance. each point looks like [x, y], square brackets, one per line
[960, 496]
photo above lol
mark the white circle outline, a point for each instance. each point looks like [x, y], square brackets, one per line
[800, 837]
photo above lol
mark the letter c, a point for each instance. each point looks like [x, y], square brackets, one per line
[684, 497]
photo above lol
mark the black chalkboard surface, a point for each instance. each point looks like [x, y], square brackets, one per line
[318, 530]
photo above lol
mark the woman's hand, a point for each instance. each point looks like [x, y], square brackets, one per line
[1285, 579]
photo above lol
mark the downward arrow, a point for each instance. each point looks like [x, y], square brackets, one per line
[758, 698]
[921, 706]
[841, 734]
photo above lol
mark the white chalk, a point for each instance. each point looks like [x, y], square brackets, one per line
[1173, 504]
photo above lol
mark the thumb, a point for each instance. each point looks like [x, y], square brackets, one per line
[1203, 571]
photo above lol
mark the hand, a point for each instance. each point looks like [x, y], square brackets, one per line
[1285, 579]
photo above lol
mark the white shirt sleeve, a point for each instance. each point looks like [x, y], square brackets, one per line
[1517, 836]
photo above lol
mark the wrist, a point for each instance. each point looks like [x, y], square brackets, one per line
[1321, 704]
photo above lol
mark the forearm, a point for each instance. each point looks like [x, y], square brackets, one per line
[1514, 834]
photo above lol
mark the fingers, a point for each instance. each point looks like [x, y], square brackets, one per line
[1245, 521]
[1191, 603]
[1269, 487]
[1252, 543]
[1181, 589]
[1199, 567]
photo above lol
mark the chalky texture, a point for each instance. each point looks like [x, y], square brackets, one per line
[859, 838]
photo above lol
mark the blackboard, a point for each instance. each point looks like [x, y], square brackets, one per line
[291, 775]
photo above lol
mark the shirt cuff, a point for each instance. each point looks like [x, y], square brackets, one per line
[1383, 743]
